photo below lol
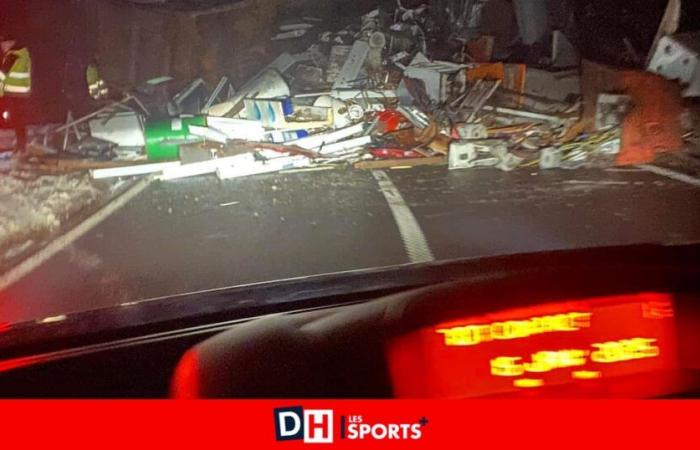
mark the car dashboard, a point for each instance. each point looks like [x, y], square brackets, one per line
[597, 323]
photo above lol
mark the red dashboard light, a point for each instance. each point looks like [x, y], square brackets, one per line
[559, 344]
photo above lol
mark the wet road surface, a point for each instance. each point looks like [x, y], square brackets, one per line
[200, 233]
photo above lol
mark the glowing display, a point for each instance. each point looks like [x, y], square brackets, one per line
[528, 383]
[625, 350]
[546, 361]
[515, 329]
[566, 344]
[586, 374]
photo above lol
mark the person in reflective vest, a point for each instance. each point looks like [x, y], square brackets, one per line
[15, 87]
[15, 71]
[96, 85]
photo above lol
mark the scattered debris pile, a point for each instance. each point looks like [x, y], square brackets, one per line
[376, 95]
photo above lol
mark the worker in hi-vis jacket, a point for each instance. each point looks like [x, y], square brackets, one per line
[15, 87]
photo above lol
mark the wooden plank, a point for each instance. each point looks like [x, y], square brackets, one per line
[70, 165]
[410, 162]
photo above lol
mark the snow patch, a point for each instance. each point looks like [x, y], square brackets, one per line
[32, 207]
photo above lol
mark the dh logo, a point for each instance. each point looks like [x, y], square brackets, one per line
[314, 426]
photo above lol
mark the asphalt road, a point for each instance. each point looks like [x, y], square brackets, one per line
[197, 234]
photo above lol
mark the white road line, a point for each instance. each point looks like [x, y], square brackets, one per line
[25, 267]
[668, 173]
[413, 238]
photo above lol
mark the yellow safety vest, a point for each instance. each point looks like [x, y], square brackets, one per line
[18, 81]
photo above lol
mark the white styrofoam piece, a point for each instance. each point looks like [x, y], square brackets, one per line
[137, 169]
[204, 167]
[317, 140]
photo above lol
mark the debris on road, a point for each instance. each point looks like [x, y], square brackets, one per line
[128, 171]
[396, 86]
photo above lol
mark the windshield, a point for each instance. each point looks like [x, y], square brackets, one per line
[157, 148]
